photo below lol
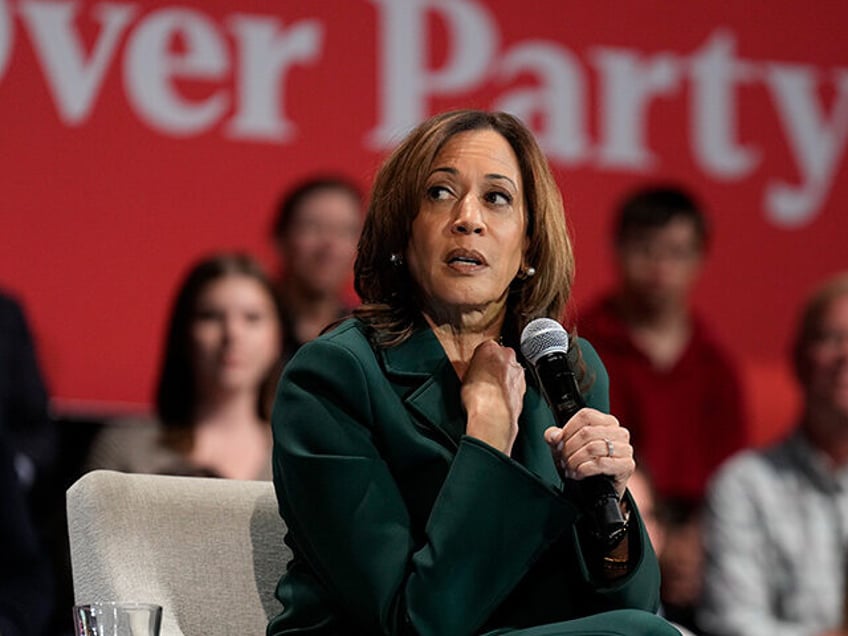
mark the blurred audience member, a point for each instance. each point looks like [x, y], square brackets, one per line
[315, 233]
[25, 577]
[23, 398]
[216, 384]
[671, 383]
[642, 489]
[33, 538]
[682, 562]
[776, 527]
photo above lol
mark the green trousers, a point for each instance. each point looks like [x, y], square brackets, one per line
[615, 623]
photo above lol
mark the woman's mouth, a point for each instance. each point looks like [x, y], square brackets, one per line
[465, 260]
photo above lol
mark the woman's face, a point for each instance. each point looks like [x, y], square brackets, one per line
[469, 236]
[235, 335]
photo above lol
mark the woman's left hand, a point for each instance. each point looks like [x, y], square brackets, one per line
[592, 443]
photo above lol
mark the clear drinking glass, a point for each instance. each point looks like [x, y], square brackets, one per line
[117, 619]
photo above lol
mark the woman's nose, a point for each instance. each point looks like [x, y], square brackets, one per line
[469, 217]
[231, 330]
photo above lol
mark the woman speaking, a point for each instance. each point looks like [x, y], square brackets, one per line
[423, 479]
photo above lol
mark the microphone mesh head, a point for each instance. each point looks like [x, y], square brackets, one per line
[541, 337]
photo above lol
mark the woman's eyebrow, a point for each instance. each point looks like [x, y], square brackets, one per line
[494, 175]
[490, 176]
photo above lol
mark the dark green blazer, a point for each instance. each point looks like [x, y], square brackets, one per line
[400, 523]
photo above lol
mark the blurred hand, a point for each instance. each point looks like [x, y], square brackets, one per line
[493, 394]
[580, 448]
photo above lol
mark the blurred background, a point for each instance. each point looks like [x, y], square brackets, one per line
[137, 137]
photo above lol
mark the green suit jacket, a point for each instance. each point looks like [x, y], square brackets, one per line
[400, 523]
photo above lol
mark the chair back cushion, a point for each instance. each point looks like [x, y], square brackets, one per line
[210, 551]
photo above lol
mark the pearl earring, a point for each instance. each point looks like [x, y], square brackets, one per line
[530, 272]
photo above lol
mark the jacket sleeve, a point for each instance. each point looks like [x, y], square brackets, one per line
[349, 520]
[639, 588]
[597, 392]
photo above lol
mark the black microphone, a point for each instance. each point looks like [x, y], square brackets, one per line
[544, 343]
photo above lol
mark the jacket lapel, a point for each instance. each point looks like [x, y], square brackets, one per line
[425, 380]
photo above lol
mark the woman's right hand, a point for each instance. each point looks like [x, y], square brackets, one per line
[493, 394]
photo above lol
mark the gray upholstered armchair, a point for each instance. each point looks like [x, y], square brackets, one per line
[209, 551]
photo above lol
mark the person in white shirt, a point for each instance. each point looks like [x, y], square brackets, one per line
[776, 524]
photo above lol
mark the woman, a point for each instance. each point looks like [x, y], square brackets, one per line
[215, 387]
[420, 477]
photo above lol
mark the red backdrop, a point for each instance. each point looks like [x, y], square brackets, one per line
[137, 136]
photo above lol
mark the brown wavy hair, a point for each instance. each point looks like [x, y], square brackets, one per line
[388, 293]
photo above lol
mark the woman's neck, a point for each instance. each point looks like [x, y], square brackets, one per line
[228, 410]
[462, 333]
[230, 439]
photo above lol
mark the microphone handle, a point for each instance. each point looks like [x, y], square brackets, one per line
[597, 493]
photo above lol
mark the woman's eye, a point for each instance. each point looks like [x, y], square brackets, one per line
[438, 193]
[496, 197]
[253, 317]
[207, 315]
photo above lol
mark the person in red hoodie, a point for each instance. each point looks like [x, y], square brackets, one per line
[672, 384]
